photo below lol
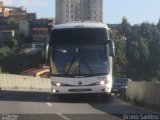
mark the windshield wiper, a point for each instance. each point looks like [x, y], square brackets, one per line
[72, 61]
[86, 64]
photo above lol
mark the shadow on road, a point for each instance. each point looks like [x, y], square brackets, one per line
[122, 109]
[46, 97]
[24, 96]
[81, 99]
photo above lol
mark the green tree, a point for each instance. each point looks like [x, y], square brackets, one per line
[0, 69]
[12, 43]
[140, 49]
[125, 27]
[16, 63]
[138, 58]
[154, 45]
[5, 51]
[4, 22]
[120, 61]
[137, 48]
[158, 25]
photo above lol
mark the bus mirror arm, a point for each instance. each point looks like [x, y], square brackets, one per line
[111, 47]
[109, 42]
[45, 52]
[50, 44]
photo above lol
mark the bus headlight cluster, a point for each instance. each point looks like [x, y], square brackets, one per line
[102, 82]
[124, 87]
[58, 84]
[54, 91]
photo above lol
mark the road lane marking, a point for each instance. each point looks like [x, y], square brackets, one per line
[62, 116]
[49, 104]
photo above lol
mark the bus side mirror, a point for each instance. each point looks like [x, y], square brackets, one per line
[111, 48]
[45, 51]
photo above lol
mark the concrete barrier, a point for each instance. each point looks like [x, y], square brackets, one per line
[145, 93]
[20, 82]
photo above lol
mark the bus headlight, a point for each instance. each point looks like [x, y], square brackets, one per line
[102, 82]
[58, 84]
[54, 91]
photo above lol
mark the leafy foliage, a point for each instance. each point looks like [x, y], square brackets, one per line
[5, 51]
[11, 43]
[10, 59]
[16, 63]
[138, 55]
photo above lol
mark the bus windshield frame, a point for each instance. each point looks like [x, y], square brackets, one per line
[79, 36]
[76, 56]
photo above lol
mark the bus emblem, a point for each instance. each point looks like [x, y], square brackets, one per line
[80, 83]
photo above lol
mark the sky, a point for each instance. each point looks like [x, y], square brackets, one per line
[136, 11]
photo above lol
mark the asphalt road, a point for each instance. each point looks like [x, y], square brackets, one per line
[40, 106]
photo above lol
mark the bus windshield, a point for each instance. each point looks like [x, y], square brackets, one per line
[79, 60]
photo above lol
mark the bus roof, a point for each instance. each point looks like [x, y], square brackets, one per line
[80, 25]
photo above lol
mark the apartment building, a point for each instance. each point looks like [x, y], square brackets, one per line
[1, 9]
[40, 32]
[15, 14]
[79, 10]
[92, 10]
[4, 10]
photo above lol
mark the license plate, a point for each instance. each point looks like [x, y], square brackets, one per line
[80, 90]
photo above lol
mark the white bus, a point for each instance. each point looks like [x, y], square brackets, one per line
[81, 59]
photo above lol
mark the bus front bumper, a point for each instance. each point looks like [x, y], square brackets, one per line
[81, 90]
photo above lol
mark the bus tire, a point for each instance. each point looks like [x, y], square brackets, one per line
[61, 97]
[106, 97]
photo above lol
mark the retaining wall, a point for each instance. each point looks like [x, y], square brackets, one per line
[9, 81]
[145, 93]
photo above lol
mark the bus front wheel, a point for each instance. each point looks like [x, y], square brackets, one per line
[106, 97]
